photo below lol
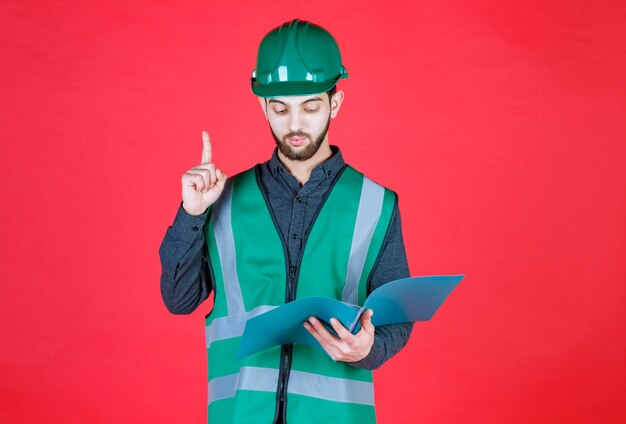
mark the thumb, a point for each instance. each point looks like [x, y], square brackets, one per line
[221, 178]
[366, 321]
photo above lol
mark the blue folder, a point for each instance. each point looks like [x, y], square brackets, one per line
[406, 300]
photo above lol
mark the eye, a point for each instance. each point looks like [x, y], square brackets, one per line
[280, 112]
[311, 110]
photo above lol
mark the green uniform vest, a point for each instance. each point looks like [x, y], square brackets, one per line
[251, 275]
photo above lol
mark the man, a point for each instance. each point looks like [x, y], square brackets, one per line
[301, 224]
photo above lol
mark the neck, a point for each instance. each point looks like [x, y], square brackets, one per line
[301, 169]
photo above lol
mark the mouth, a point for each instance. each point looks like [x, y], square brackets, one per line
[297, 141]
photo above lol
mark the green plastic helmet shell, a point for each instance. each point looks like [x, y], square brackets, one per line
[297, 58]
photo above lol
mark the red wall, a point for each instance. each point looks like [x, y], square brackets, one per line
[500, 124]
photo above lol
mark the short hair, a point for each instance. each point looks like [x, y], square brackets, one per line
[331, 92]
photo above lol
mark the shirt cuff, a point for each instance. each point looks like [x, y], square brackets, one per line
[186, 226]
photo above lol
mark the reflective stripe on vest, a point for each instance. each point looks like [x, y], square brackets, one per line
[231, 326]
[226, 246]
[370, 206]
[301, 383]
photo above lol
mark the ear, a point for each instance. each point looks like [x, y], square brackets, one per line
[263, 103]
[335, 103]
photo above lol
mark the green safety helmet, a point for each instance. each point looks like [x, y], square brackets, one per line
[296, 59]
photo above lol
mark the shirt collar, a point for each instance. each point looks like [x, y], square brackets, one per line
[330, 167]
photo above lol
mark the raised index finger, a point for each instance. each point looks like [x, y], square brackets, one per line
[206, 148]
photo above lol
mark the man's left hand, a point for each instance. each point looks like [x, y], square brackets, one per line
[347, 347]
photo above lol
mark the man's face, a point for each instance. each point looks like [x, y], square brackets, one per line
[299, 124]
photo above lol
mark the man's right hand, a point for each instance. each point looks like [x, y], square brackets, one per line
[202, 184]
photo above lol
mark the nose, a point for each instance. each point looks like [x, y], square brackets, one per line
[295, 123]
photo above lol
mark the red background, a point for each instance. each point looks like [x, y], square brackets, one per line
[500, 124]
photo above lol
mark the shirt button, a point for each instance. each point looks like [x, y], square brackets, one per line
[294, 236]
[329, 172]
[195, 228]
[299, 199]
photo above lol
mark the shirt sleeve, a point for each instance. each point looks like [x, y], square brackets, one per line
[185, 276]
[393, 265]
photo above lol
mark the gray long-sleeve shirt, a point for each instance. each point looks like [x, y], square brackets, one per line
[185, 278]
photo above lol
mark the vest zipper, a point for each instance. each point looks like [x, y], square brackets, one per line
[286, 350]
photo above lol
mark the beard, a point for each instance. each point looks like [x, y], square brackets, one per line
[308, 151]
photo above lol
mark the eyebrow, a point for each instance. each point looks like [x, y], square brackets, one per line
[314, 99]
